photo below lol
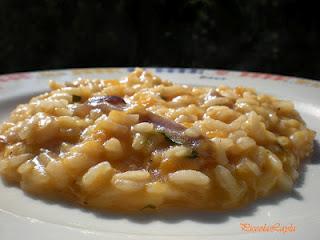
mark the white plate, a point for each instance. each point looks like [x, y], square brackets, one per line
[22, 216]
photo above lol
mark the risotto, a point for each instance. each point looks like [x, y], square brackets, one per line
[145, 143]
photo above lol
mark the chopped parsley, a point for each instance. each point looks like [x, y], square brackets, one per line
[194, 154]
[170, 138]
[76, 98]
[164, 98]
[149, 206]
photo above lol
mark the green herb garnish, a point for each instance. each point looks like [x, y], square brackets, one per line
[194, 154]
[170, 138]
[164, 98]
[149, 206]
[76, 98]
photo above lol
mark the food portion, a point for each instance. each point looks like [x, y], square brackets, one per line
[146, 143]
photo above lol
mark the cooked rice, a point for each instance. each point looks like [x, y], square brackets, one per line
[113, 160]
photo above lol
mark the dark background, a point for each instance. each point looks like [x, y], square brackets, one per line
[272, 36]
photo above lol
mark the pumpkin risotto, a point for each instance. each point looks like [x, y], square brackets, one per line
[143, 142]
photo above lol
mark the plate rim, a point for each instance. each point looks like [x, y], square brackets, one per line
[164, 69]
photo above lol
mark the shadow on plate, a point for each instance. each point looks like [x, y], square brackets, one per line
[145, 217]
